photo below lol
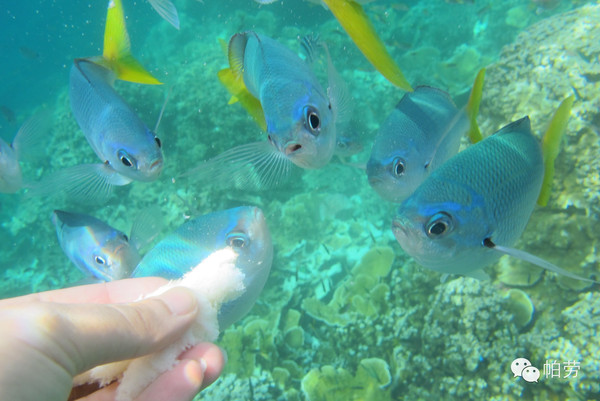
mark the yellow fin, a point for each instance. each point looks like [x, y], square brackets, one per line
[551, 145]
[223, 45]
[234, 84]
[473, 107]
[355, 22]
[117, 48]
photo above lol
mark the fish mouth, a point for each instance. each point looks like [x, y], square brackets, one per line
[156, 165]
[398, 228]
[291, 148]
[373, 181]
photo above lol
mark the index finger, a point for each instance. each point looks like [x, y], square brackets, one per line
[118, 291]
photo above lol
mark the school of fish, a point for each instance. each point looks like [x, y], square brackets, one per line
[457, 212]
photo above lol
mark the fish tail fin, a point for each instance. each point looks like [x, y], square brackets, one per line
[116, 55]
[473, 107]
[234, 84]
[355, 22]
[551, 146]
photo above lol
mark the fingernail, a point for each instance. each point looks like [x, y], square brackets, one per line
[179, 301]
[194, 373]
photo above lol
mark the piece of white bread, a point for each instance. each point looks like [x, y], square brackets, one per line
[214, 281]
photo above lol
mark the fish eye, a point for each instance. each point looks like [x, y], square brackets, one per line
[125, 158]
[99, 260]
[312, 120]
[237, 240]
[398, 167]
[438, 225]
[158, 142]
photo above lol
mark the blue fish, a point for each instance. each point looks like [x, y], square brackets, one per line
[300, 116]
[421, 133]
[128, 149]
[474, 207]
[25, 145]
[100, 251]
[244, 229]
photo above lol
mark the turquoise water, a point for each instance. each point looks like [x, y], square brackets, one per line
[451, 340]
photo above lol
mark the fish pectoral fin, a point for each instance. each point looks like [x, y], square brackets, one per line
[551, 146]
[86, 183]
[472, 107]
[167, 11]
[519, 254]
[29, 143]
[147, 225]
[254, 166]
[236, 87]
[117, 49]
[355, 22]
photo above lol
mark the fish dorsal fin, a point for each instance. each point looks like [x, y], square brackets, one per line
[116, 55]
[237, 50]
[337, 92]
[527, 257]
[236, 87]
[355, 22]
[472, 108]
[551, 146]
[523, 124]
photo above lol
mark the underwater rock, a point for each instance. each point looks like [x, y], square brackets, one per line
[580, 343]
[468, 328]
[549, 61]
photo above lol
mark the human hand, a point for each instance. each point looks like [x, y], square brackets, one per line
[48, 338]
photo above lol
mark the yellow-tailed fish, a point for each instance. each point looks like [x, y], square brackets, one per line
[551, 145]
[474, 207]
[420, 134]
[355, 22]
[128, 149]
[300, 114]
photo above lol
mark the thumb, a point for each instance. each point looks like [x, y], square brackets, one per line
[78, 337]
